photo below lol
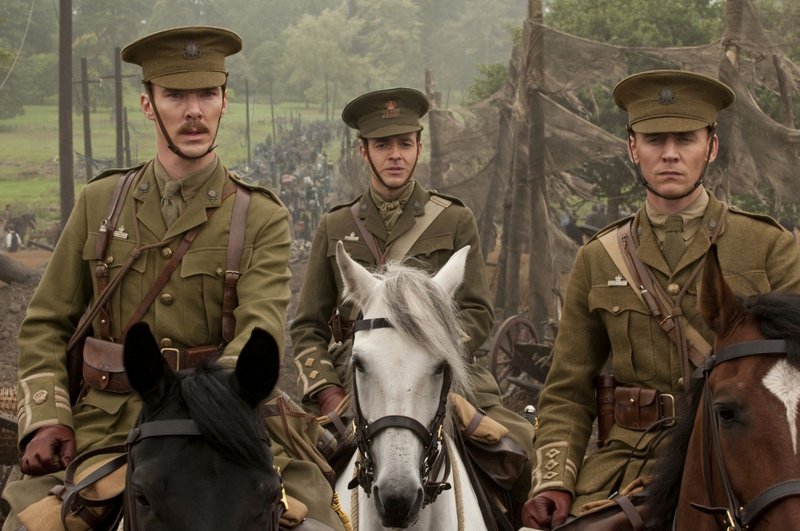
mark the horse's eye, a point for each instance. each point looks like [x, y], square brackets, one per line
[141, 498]
[440, 369]
[358, 365]
[726, 414]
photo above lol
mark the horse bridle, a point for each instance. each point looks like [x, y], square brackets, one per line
[169, 428]
[738, 517]
[434, 457]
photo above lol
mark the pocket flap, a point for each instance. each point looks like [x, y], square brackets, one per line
[103, 355]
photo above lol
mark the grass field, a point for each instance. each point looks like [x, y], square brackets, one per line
[29, 146]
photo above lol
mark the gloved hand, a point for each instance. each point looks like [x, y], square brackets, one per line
[329, 398]
[50, 449]
[548, 509]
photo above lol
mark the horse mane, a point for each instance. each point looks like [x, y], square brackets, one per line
[778, 315]
[419, 308]
[227, 422]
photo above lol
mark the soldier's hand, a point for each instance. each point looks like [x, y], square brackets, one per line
[329, 398]
[50, 449]
[548, 509]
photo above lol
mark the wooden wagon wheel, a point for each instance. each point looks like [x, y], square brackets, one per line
[515, 330]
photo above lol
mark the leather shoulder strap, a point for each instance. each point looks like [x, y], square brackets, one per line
[403, 244]
[369, 239]
[230, 300]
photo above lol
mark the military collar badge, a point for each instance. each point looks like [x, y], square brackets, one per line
[618, 281]
[392, 110]
[666, 96]
[191, 50]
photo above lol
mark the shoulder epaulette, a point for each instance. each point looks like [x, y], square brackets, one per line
[235, 177]
[610, 227]
[114, 171]
[761, 217]
[450, 198]
[348, 204]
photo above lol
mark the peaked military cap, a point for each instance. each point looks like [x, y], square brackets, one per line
[671, 101]
[387, 112]
[186, 57]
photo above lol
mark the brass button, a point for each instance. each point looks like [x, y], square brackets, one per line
[212, 194]
[166, 342]
[673, 289]
[143, 187]
[166, 299]
[680, 381]
[615, 309]
[219, 271]
[109, 259]
[166, 252]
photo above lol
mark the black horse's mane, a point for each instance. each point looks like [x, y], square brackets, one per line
[778, 315]
[228, 424]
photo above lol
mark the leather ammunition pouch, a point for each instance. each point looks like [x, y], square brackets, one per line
[639, 408]
[604, 385]
[103, 366]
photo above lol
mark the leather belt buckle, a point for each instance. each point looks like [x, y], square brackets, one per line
[666, 403]
[170, 354]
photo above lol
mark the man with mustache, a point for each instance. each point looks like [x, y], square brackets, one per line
[178, 242]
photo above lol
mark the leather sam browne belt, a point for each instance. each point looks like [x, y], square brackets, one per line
[103, 367]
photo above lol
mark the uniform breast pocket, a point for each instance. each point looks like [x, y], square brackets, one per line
[433, 250]
[133, 286]
[202, 279]
[631, 331]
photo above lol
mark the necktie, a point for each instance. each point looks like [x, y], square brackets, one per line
[674, 246]
[171, 201]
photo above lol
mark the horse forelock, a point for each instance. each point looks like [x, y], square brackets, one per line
[227, 422]
[778, 316]
[419, 308]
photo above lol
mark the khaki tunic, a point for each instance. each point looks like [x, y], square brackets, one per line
[603, 322]
[452, 229]
[190, 317]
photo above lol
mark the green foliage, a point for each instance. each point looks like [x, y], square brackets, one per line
[491, 78]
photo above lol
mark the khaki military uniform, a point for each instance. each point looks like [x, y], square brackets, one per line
[452, 229]
[605, 322]
[187, 313]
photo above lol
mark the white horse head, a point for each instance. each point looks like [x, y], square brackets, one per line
[407, 353]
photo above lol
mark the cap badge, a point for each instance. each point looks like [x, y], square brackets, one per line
[666, 97]
[392, 110]
[191, 50]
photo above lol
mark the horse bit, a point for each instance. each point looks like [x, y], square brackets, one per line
[433, 456]
[738, 517]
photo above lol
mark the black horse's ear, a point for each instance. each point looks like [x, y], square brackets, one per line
[147, 370]
[257, 367]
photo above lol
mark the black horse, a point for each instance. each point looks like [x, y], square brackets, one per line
[199, 458]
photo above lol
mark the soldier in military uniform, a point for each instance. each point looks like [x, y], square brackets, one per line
[672, 117]
[396, 217]
[185, 187]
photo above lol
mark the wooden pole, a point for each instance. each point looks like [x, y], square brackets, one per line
[272, 113]
[434, 132]
[541, 277]
[65, 150]
[247, 119]
[127, 137]
[87, 122]
[118, 105]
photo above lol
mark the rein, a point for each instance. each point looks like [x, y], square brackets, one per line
[738, 517]
[434, 458]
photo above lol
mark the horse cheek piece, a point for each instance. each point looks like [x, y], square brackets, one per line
[199, 458]
[406, 357]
